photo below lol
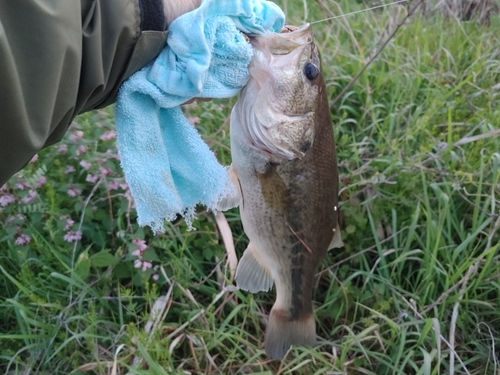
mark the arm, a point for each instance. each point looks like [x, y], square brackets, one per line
[57, 61]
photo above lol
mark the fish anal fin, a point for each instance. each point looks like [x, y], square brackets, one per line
[252, 275]
[282, 332]
[234, 199]
[337, 242]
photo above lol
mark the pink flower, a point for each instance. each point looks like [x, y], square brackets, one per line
[146, 265]
[105, 171]
[139, 263]
[34, 158]
[91, 178]
[141, 243]
[69, 224]
[29, 197]
[108, 136]
[74, 192]
[81, 150]
[73, 236]
[77, 135]
[193, 120]
[137, 253]
[41, 181]
[20, 184]
[156, 277]
[7, 199]
[69, 169]
[113, 185]
[62, 149]
[129, 197]
[22, 239]
[124, 186]
[85, 164]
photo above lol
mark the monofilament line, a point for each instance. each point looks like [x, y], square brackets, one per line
[360, 11]
[375, 55]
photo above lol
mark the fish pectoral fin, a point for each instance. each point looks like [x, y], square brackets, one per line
[252, 275]
[274, 190]
[235, 198]
[337, 242]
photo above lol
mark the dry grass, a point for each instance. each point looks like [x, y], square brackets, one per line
[466, 10]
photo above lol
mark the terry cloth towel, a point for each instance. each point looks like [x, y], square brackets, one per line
[167, 165]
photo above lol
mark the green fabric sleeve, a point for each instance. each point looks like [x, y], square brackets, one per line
[59, 59]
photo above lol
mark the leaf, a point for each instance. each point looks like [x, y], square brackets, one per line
[104, 259]
[150, 255]
[123, 270]
[82, 267]
[350, 229]
[208, 253]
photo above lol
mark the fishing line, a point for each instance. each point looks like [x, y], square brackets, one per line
[375, 55]
[360, 11]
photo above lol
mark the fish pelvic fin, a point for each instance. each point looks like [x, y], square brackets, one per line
[283, 332]
[252, 275]
[337, 242]
[234, 199]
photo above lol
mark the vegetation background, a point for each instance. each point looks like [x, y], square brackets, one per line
[84, 290]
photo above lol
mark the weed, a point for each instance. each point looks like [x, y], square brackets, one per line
[415, 290]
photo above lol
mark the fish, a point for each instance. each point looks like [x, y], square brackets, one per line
[284, 170]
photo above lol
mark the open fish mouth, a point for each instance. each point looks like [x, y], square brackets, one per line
[279, 97]
[288, 40]
[285, 51]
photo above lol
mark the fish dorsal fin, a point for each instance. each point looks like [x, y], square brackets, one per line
[337, 242]
[234, 199]
[252, 275]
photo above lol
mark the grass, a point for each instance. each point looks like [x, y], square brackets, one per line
[415, 290]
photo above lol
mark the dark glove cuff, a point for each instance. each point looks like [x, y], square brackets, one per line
[152, 15]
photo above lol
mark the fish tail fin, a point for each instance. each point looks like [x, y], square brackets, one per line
[282, 332]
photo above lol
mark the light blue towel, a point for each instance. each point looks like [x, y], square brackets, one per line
[167, 165]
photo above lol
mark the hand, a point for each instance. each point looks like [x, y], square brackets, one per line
[176, 8]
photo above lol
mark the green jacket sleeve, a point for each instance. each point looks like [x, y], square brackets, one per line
[61, 58]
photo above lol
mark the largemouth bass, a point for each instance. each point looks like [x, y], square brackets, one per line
[284, 167]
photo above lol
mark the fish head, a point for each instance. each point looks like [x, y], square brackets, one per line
[281, 97]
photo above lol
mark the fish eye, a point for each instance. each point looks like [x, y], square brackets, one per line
[311, 71]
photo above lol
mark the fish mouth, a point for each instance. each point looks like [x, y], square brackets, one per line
[290, 38]
[283, 50]
[276, 125]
